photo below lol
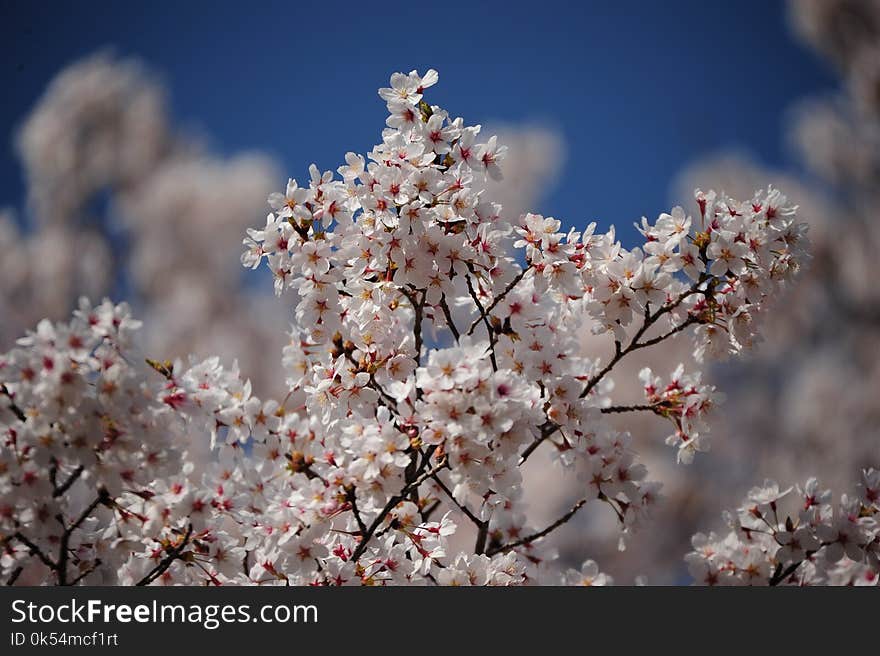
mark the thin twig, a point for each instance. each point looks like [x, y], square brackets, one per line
[61, 567]
[418, 308]
[650, 320]
[618, 354]
[351, 495]
[35, 550]
[629, 408]
[540, 534]
[430, 510]
[95, 565]
[513, 283]
[485, 317]
[173, 554]
[463, 508]
[547, 429]
[18, 412]
[691, 320]
[779, 576]
[61, 489]
[449, 321]
[420, 477]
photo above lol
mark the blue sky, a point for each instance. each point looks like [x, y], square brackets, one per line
[637, 89]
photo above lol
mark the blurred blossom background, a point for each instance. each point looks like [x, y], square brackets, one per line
[139, 142]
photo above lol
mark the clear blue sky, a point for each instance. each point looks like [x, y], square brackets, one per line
[637, 89]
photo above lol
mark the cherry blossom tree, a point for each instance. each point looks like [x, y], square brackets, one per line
[435, 351]
[804, 401]
[122, 201]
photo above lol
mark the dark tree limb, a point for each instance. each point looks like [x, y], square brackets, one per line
[174, 553]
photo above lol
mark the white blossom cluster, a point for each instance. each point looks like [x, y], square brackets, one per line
[90, 445]
[818, 364]
[427, 364]
[685, 402]
[817, 543]
[121, 200]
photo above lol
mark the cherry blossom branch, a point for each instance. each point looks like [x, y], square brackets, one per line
[463, 508]
[690, 321]
[449, 321]
[12, 404]
[385, 398]
[426, 514]
[618, 354]
[95, 565]
[605, 499]
[61, 489]
[485, 317]
[420, 477]
[174, 553]
[482, 525]
[14, 576]
[453, 398]
[629, 408]
[540, 534]
[779, 575]
[35, 550]
[510, 286]
[351, 495]
[547, 429]
[482, 535]
[61, 568]
[650, 320]
[418, 309]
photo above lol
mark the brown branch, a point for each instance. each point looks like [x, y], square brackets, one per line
[629, 408]
[779, 575]
[14, 576]
[482, 535]
[513, 283]
[418, 309]
[420, 477]
[449, 322]
[540, 534]
[18, 412]
[463, 508]
[547, 429]
[351, 495]
[384, 397]
[35, 550]
[485, 318]
[61, 489]
[61, 567]
[691, 320]
[650, 320]
[174, 553]
[618, 354]
[430, 510]
[95, 565]
[602, 497]
[482, 525]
